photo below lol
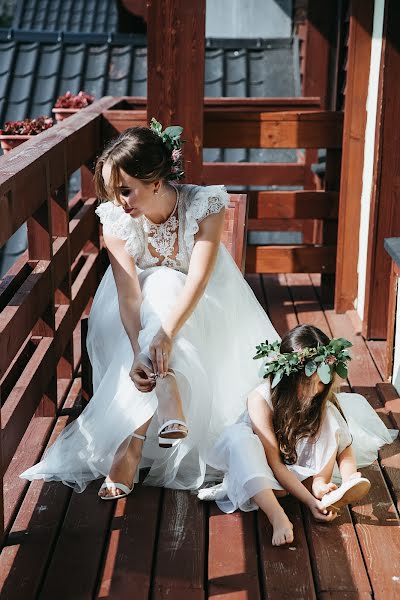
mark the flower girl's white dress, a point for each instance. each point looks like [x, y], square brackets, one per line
[212, 354]
[240, 455]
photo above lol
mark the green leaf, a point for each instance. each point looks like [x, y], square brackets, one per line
[310, 368]
[278, 376]
[324, 373]
[174, 131]
[341, 370]
[155, 126]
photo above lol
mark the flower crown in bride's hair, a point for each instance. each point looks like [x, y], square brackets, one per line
[171, 138]
[325, 360]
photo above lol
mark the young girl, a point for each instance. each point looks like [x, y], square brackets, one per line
[293, 433]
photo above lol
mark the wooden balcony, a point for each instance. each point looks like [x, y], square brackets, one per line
[163, 543]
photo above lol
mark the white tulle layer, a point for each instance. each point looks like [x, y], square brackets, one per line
[240, 455]
[212, 358]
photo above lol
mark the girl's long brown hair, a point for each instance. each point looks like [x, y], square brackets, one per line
[296, 413]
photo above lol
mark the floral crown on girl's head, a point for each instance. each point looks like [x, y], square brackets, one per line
[171, 138]
[325, 360]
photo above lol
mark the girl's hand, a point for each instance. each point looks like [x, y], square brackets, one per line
[160, 350]
[142, 375]
[320, 488]
[320, 513]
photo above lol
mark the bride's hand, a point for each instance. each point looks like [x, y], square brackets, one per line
[142, 375]
[160, 350]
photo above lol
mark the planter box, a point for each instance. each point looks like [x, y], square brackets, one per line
[8, 142]
[63, 113]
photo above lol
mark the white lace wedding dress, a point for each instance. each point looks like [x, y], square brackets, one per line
[212, 354]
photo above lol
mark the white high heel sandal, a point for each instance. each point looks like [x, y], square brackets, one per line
[167, 440]
[111, 485]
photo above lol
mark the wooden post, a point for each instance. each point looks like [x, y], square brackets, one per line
[320, 36]
[40, 247]
[391, 324]
[176, 49]
[355, 118]
[60, 225]
[385, 201]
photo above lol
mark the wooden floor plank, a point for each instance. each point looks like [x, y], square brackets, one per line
[362, 370]
[129, 554]
[255, 282]
[306, 303]
[79, 547]
[181, 551]
[23, 560]
[27, 454]
[345, 596]
[280, 305]
[232, 556]
[378, 531]
[337, 558]
[286, 570]
[377, 349]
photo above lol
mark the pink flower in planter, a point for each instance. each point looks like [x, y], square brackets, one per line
[69, 100]
[27, 126]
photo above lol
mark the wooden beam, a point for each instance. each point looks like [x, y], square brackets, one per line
[320, 38]
[254, 173]
[290, 259]
[296, 205]
[385, 201]
[176, 53]
[355, 118]
[309, 129]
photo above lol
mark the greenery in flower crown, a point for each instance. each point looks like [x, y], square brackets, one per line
[325, 360]
[171, 138]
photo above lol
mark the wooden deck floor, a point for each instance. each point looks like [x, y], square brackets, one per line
[164, 544]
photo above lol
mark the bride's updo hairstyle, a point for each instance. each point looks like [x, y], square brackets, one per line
[297, 413]
[138, 151]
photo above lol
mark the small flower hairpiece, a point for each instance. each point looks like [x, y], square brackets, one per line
[171, 138]
[325, 360]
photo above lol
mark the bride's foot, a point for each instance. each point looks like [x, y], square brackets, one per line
[171, 418]
[123, 469]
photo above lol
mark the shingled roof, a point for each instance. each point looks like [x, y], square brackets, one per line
[38, 66]
[66, 15]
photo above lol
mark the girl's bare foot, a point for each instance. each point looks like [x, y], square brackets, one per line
[282, 529]
[124, 467]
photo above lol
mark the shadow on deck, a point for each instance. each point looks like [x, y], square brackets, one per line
[161, 543]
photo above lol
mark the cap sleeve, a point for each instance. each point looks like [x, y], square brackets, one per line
[202, 202]
[264, 389]
[114, 220]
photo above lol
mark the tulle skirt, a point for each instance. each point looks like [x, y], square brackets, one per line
[212, 360]
[240, 455]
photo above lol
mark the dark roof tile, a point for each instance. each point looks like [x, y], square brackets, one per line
[66, 15]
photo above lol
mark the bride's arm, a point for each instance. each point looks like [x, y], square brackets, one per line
[202, 262]
[128, 288]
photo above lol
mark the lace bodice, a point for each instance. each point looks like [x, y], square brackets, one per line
[194, 203]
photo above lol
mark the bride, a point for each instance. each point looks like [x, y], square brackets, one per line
[171, 328]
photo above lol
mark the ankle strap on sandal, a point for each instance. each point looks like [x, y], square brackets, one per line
[138, 436]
